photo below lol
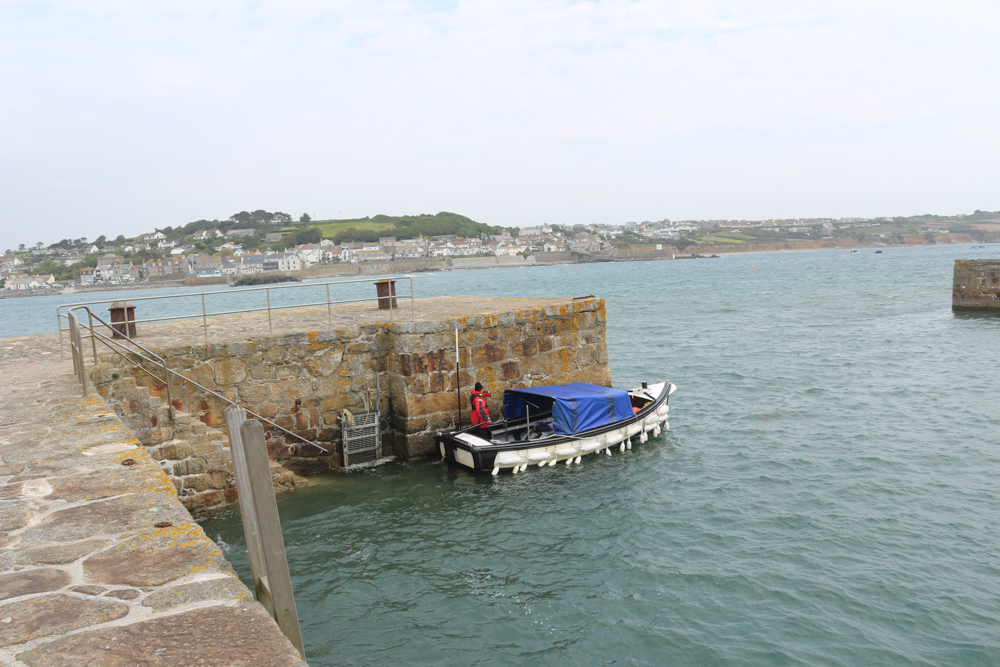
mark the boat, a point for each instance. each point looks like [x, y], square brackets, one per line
[878, 252]
[855, 252]
[564, 422]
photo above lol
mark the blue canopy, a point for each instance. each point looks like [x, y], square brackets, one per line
[575, 406]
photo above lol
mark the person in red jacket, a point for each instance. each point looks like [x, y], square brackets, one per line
[480, 411]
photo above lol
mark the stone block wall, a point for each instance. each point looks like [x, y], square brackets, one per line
[518, 348]
[304, 381]
[976, 285]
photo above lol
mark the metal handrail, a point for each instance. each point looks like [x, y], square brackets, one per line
[94, 336]
[205, 314]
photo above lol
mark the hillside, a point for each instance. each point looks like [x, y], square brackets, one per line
[402, 227]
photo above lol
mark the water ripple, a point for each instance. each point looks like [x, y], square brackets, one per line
[827, 495]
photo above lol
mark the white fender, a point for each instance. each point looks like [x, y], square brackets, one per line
[633, 429]
[589, 445]
[608, 451]
[656, 430]
[642, 437]
[505, 459]
[629, 445]
[540, 455]
[567, 450]
[552, 462]
[622, 448]
[578, 460]
[496, 471]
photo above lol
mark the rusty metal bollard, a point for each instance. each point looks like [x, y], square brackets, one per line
[122, 319]
[386, 294]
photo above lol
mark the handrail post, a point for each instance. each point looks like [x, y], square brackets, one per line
[59, 326]
[329, 312]
[93, 340]
[270, 330]
[170, 400]
[204, 317]
[413, 307]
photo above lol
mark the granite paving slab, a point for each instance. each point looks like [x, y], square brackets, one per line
[86, 575]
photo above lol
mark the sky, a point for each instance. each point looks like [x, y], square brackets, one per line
[120, 117]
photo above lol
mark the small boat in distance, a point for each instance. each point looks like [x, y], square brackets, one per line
[552, 423]
[878, 252]
[855, 252]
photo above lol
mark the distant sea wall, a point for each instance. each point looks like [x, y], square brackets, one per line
[976, 285]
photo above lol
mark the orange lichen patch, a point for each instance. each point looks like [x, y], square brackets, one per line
[180, 534]
[312, 335]
[315, 347]
[162, 483]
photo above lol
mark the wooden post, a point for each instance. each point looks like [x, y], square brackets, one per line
[235, 416]
[271, 578]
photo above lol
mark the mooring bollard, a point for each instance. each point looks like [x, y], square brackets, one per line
[122, 319]
[386, 294]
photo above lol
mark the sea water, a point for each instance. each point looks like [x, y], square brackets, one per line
[827, 494]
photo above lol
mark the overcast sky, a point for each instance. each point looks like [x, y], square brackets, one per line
[118, 117]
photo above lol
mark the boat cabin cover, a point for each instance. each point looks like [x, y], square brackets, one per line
[575, 407]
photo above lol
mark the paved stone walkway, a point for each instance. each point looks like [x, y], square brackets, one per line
[434, 310]
[87, 577]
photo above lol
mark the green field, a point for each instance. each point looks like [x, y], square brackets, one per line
[331, 227]
[402, 227]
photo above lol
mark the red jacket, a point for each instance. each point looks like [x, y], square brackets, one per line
[480, 413]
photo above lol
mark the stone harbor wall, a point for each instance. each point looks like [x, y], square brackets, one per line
[976, 285]
[305, 381]
[194, 456]
[513, 349]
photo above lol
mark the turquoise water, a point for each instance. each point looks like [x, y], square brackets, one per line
[827, 494]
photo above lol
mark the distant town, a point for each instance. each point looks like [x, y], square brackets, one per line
[249, 243]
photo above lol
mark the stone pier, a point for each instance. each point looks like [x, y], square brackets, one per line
[100, 564]
[317, 363]
[976, 285]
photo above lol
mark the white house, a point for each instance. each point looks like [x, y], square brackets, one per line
[309, 253]
[29, 282]
[122, 273]
[370, 254]
[250, 264]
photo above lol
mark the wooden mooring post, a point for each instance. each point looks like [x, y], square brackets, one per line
[261, 524]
